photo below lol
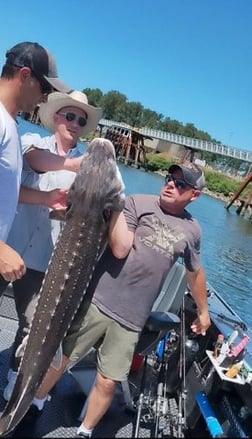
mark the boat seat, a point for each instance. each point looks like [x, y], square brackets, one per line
[172, 290]
[163, 318]
[168, 301]
[158, 321]
[157, 324]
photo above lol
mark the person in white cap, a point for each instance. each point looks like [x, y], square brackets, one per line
[33, 233]
[28, 76]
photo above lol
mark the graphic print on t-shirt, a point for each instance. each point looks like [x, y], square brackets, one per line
[163, 238]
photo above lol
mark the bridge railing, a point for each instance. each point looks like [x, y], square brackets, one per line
[203, 145]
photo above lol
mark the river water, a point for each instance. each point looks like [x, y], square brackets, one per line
[226, 237]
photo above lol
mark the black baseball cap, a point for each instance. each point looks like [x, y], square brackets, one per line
[192, 174]
[40, 61]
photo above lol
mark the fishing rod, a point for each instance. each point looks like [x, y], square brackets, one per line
[141, 398]
[160, 397]
[182, 376]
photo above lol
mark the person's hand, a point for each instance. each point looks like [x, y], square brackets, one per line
[73, 163]
[12, 266]
[201, 324]
[56, 198]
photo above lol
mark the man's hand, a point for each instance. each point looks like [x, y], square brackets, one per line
[201, 324]
[56, 198]
[12, 266]
[72, 163]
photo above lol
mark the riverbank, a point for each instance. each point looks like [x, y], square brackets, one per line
[218, 196]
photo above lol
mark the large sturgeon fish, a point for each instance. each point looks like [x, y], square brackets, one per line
[97, 190]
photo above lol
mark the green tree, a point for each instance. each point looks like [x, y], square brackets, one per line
[203, 135]
[134, 113]
[94, 96]
[157, 162]
[114, 106]
[151, 119]
[189, 130]
[217, 182]
[171, 125]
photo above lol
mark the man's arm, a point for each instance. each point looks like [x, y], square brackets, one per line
[120, 238]
[42, 160]
[12, 266]
[197, 284]
[55, 199]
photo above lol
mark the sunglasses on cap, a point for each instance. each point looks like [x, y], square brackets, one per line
[70, 117]
[179, 182]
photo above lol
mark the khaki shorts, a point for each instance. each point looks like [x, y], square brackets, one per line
[116, 343]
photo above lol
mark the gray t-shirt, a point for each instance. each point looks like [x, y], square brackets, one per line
[126, 289]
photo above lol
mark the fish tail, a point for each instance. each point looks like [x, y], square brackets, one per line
[15, 410]
[4, 424]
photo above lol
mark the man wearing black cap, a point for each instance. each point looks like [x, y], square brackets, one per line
[28, 76]
[146, 239]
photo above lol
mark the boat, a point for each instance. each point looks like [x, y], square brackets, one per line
[178, 386]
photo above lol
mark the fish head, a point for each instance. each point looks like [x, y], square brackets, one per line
[98, 182]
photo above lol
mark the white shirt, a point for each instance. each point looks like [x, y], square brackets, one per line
[10, 170]
[33, 234]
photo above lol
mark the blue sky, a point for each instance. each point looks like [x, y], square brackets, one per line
[190, 60]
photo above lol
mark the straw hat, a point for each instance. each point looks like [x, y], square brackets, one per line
[76, 98]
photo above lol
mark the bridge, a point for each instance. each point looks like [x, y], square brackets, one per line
[188, 142]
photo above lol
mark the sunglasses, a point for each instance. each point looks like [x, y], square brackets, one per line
[70, 117]
[45, 87]
[180, 183]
